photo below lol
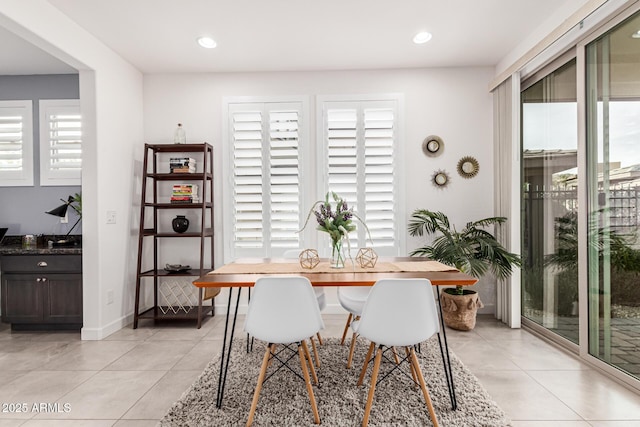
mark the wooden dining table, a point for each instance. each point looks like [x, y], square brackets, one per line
[243, 273]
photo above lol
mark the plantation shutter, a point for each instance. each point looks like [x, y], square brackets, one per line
[16, 143]
[266, 177]
[379, 200]
[60, 142]
[284, 175]
[360, 140]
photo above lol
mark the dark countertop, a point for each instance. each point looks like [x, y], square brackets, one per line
[12, 245]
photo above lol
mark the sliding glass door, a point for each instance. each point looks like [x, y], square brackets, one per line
[549, 200]
[613, 175]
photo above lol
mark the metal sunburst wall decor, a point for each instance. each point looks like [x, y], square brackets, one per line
[468, 167]
[440, 178]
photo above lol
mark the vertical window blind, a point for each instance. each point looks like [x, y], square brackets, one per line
[360, 139]
[60, 142]
[16, 143]
[266, 177]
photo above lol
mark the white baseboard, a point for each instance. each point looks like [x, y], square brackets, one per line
[97, 334]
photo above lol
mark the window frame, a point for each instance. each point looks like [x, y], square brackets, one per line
[232, 252]
[23, 178]
[367, 101]
[49, 177]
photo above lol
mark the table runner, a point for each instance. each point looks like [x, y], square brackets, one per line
[324, 267]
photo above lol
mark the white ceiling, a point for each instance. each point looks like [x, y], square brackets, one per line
[159, 36]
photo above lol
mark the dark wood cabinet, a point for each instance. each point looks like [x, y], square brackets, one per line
[42, 292]
[158, 179]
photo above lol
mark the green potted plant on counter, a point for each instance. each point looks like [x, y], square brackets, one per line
[472, 250]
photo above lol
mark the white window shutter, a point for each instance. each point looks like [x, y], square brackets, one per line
[379, 200]
[284, 177]
[246, 130]
[266, 177]
[360, 139]
[16, 143]
[60, 142]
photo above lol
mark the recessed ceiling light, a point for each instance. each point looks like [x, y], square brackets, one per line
[422, 37]
[207, 42]
[636, 35]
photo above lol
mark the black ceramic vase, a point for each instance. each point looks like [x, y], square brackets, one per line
[180, 224]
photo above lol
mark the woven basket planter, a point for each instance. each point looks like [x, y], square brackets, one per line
[459, 311]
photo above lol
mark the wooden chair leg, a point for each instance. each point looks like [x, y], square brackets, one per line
[319, 338]
[273, 350]
[363, 372]
[303, 364]
[372, 388]
[395, 355]
[352, 348]
[413, 371]
[308, 357]
[315, 351]
[346, 329]
[256, 394]
[423, 386]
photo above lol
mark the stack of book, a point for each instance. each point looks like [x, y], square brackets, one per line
[185, 193]
[182, 165]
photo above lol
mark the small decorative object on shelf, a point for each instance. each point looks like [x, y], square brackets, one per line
[366, 257]
[176, 268]
[182, 165]
[309, 258]
[180, 224]
[179, 136]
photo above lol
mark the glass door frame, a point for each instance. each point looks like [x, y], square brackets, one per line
[582, 349]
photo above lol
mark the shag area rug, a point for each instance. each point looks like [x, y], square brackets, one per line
[284, 400]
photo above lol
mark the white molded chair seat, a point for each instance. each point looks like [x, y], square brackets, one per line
[284, 310]
[398, 313]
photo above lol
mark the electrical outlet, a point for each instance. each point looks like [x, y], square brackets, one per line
[65, 219]
[111, 217]
[110, 296]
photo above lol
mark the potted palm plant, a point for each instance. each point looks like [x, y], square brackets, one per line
[472, 250]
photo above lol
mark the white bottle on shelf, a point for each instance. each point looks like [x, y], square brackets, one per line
[179, 137]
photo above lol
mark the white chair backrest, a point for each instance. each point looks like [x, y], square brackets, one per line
[283, 310]
[399, 312]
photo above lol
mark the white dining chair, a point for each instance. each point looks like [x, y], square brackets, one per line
[320, 297]
[352, 299]
[284, 311]
[397, 313]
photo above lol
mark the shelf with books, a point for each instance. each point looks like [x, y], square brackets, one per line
[189, 170]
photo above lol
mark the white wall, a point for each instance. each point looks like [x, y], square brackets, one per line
[451, 103]
[111, 103]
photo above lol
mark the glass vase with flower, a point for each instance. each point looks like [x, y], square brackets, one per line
[337, 221]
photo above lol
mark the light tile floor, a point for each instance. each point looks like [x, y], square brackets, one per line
[131, 378]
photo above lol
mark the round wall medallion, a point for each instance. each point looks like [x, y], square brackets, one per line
[468, 167]
[440, 178]
[432, 146]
